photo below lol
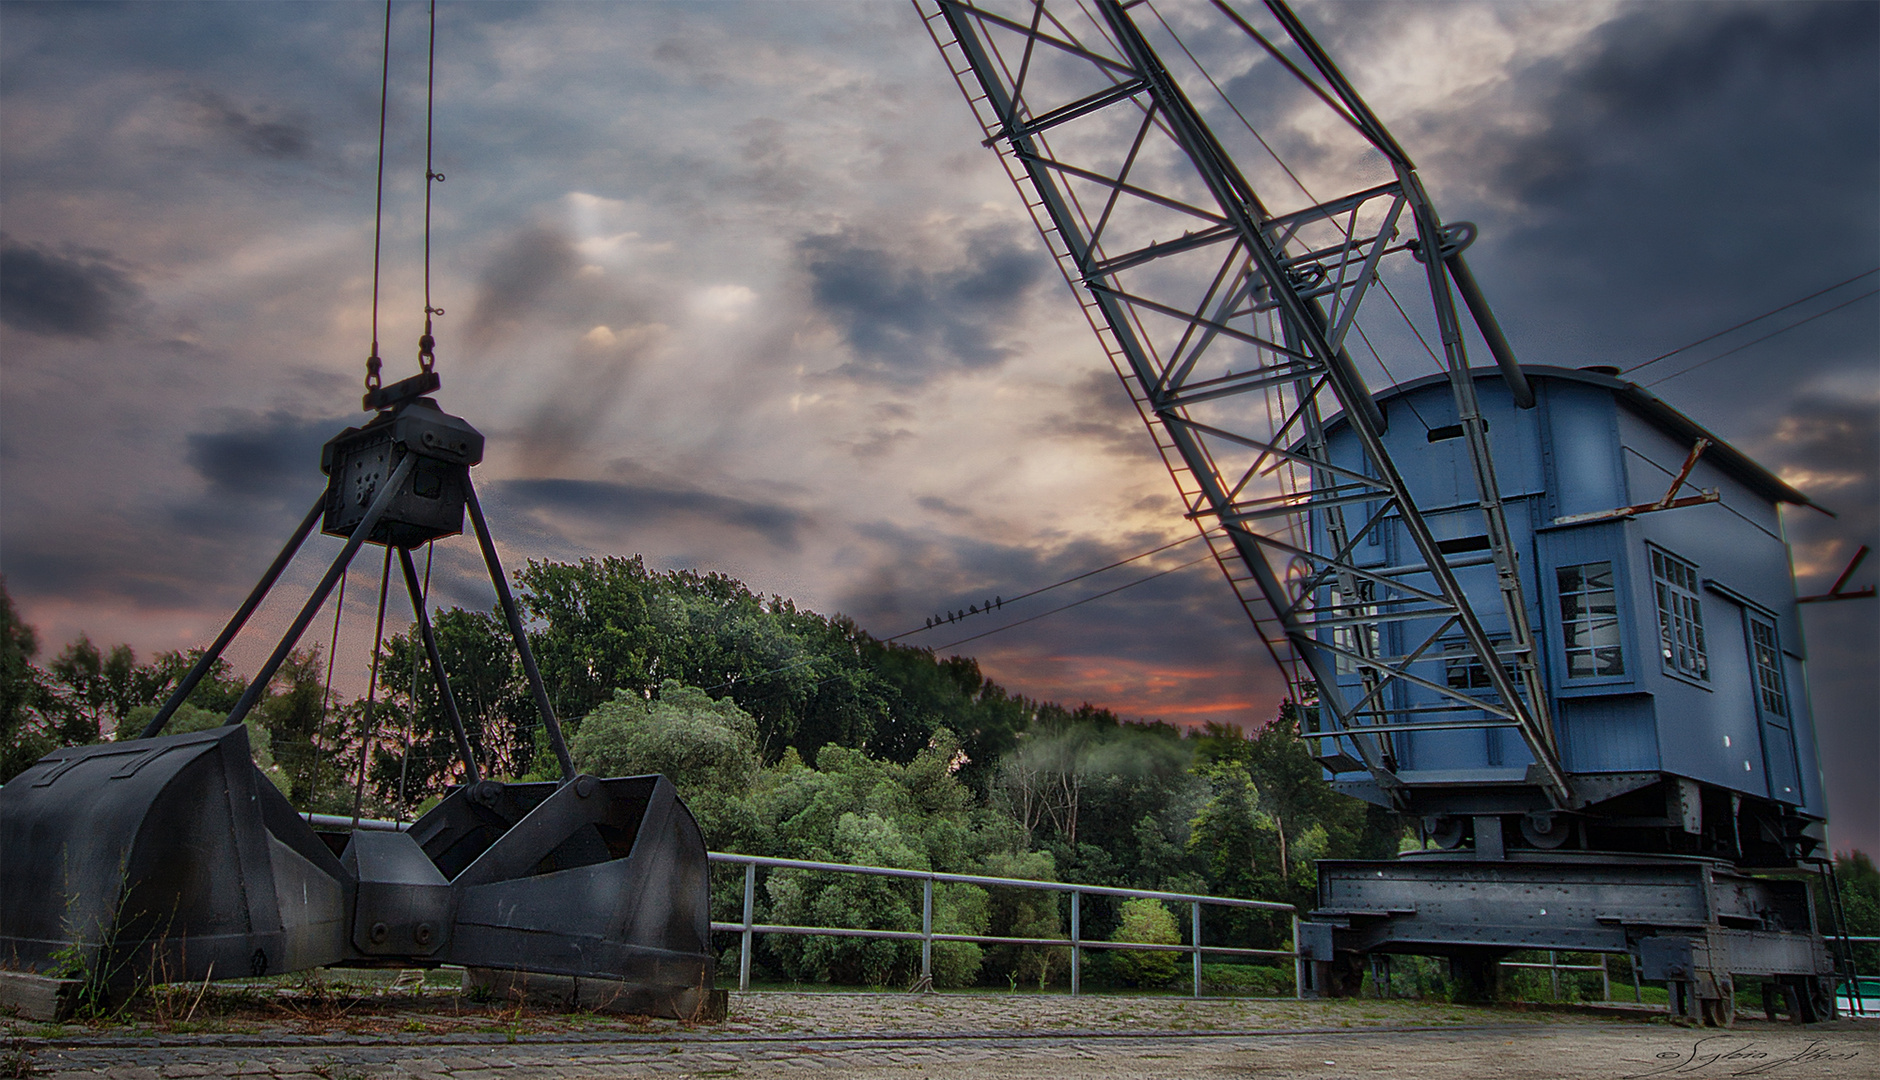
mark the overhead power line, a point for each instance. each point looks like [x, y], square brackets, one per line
[1056, 584]
[801, 660]
[1765, 337]
[1757, 319]
[1076, 603]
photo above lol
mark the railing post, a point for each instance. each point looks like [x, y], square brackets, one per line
[1077, 954]
[1299, 963]
[926, 932]
[1553, 972]
[1195, 941]
[1605, 977]
[744, 946]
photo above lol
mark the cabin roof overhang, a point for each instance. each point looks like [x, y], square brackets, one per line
[1646, 405]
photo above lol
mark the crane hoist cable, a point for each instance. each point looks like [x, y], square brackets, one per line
[427, 358]
[427, 361]
[427, 343]
[373, 363]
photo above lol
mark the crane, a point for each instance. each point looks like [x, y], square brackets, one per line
[1230, 319]
[1227, 288]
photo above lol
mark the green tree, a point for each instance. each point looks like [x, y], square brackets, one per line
[151, 684]
[854, 808]
[416, 754]
[1290, 786]
[305, 738]
[700, 744]
[218, 691]
[597, 635]
[1149, 922]
[1239, 845]
[92, 690]
[707, 748]
[23, 693]
[1111, 801]
[188, 718]
[808, 898]
[808, 680]
[1024, 913]
[1859, 882]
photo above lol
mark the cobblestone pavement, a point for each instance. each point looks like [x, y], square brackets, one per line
[786, 1035]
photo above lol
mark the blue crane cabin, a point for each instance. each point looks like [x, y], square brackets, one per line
[1671, 646]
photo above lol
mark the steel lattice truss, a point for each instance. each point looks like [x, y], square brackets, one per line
[1231, 319]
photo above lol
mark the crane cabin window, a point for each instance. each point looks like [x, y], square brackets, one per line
[1680, 617]
[1464, 671]
[1767, 657]
[1589, 621]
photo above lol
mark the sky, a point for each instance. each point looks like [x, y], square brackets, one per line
[735, 286]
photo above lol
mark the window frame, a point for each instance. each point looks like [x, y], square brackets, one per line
[1781, 706]
[1586, 620]
[1690, 615]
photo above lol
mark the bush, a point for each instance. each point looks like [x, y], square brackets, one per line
[1246, 980]
[1149, 922]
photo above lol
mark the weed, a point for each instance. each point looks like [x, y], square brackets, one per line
[16, 1061]
[314, 1003]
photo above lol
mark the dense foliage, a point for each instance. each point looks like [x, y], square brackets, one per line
[790, 734]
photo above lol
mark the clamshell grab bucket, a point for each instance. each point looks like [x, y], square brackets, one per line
[163, 859]
[591, 879]
[174, 858]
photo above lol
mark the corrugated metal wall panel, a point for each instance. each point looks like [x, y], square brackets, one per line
[1609, 734]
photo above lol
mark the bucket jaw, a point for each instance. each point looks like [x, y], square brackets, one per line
[174, 859]
[164, 859]
[595, 879]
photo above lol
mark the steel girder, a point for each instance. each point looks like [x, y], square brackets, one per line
[1228, 319]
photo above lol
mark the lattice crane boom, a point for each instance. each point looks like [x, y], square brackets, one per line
[1229, 320]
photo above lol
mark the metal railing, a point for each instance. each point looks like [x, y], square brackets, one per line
[1554, 967]
[748, 929]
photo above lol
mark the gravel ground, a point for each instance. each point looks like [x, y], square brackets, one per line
[438, 1036]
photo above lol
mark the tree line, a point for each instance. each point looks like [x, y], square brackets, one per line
[790, 734]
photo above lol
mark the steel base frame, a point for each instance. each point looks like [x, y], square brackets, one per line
[1695, 924]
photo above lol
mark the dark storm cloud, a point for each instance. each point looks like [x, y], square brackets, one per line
[78, 293]
[935, 573]
[648, 504]
[522, 272]
[146, 555]
[1831, 449]
[251, 129]
[1662, 64]
[114, 563]
[1672, 119]
[1098, 413]
[907, 322]
[262, 456]
[1179, 629]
